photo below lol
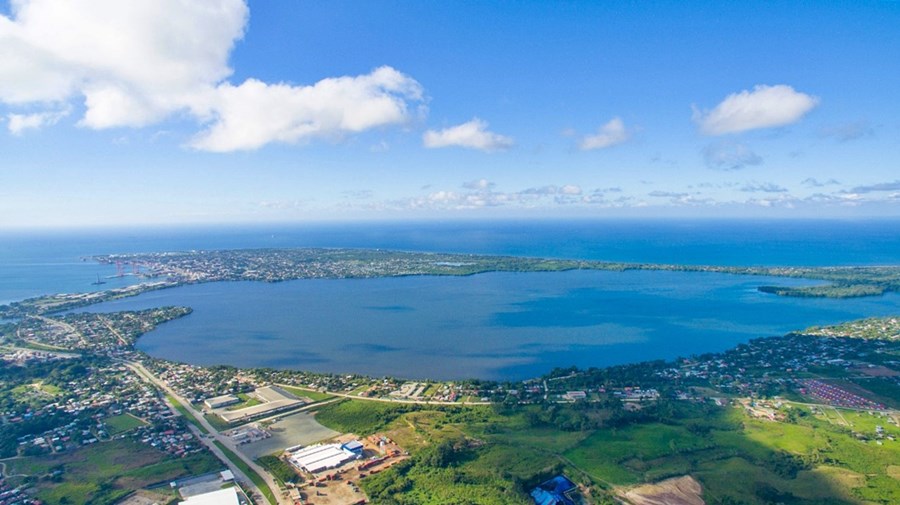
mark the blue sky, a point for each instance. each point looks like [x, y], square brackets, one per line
[161, 111]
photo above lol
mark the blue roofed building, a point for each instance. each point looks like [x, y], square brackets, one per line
[354, 446]
[556, 491]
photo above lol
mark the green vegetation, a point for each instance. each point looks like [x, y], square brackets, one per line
[122, 423]
[37, 346]
[360, 417]
[495, 454]
[25, 391]
[217, 422]
[246, 401]
[315, 396]
[881, 389]
[279, 469]
[104, 473]
[875, 328]
[249, 472]
[826, 291]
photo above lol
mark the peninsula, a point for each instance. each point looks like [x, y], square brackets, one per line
[171, 269]
[273, 265]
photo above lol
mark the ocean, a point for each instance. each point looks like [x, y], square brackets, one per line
[492, 326]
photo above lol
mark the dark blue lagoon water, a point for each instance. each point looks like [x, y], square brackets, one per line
[490, 326]
[497, 326]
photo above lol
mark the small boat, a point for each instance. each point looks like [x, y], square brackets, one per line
[99, 281]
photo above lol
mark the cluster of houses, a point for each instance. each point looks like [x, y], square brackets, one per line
[10, 495]
[768, 365]
[197, 383]
[835, 395]
[87, 403]
[108, 334]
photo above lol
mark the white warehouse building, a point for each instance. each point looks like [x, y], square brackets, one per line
[316, 458]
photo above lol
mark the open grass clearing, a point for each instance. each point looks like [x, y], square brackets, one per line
[102, 473]
[218, 423]
[245, 401]
[315, 396]
[122, 423]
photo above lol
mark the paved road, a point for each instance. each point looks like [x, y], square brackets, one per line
[385, 400]
[276, 489]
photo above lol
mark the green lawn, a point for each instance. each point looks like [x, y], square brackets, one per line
[122, 423]
[246, 401]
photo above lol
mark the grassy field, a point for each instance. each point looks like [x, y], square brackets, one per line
[312, 395]
[122, 423]
[218, 423]
[807, 459]
[37, 391]
[280, 470]
[360, 417]
[246, 401]
[103, 473]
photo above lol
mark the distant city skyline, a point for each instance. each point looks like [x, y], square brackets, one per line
[156, 112]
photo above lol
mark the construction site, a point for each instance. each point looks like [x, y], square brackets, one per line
[332, 471]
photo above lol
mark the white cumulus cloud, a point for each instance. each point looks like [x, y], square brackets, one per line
[610, 134]
[254, 113]
[473, 135]
[763, 107]
[132, 62]
[138, 62]
[18, 123]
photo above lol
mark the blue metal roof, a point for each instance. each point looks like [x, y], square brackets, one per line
[553, 492]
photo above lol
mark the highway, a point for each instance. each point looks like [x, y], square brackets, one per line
[214, 435]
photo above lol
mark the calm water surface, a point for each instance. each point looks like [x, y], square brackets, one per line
[490, 326]
[494, 326]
